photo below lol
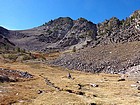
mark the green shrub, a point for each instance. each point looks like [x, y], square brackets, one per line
[23, 50]
[27, 57]
[10, 56]
[42, 57]
[18, 49]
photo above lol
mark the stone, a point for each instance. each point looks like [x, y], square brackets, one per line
[138, 88]
[122, 79]
[39, 92]
[92, 104]
[80, 93]
[70, 91]
[94, 95]
[80, 86]
[4, 78]
[133, 85]
[94, 85]
[138, 82]
[69, 76]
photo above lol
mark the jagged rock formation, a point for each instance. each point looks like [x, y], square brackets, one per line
[116, 31]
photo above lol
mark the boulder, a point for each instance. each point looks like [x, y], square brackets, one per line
[4, 78]
[138, 88]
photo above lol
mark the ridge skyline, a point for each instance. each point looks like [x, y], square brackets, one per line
[70, 18]
[25, 14]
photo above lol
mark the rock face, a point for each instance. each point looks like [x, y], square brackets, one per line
[120, 31]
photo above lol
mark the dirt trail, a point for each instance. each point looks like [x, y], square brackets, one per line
[51, 86]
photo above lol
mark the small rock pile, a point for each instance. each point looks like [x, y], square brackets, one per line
[8, 75]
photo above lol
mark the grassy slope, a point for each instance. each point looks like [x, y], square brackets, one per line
[109, 92]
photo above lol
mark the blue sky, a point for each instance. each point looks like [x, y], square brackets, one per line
[24, 14]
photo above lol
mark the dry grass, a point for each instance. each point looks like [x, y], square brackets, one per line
[109, 92]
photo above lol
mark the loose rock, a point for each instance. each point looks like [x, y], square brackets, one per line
[69, 76]
[138, 87]
[94, 85]
[138, 82]
[40, 91]
[122, 79]
[4, 78]
[133, 85]
[92, 104]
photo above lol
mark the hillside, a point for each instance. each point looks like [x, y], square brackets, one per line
[65, 33]
[110, 46]
[108, 58]
[4, 41]
[72, 62]
[61, 33]
[50, 86]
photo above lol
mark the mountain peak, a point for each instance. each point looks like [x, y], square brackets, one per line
[64, 33]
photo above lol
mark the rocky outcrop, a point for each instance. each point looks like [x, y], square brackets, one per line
[119, 31]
